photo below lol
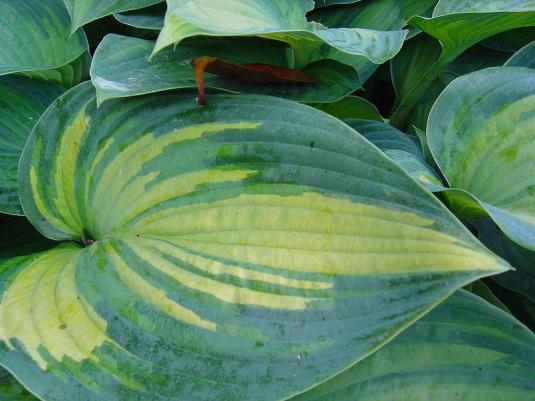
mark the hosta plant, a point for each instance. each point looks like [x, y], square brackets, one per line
[267, 200]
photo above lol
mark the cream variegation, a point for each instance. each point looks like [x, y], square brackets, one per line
[228, 253]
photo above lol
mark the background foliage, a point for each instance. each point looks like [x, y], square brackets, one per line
[349, 216]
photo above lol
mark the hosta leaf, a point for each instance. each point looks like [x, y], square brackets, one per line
[171, 69]
[381, 15]
[279, 20]
[11, 390]
[146, 18]
[525, 57]
[245, 250]
[475, 58]
[465, 349]
[36, 36]
[400, 148]
[351, 107]
[22, 102]
[483, 291]
[84, 11]
[325, 3]
[481, 134]
[510, 41]
[68, 75]
[458, 25]
[522, 280]
[412, 8]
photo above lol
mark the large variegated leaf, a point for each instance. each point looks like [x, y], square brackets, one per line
[22, 101]
[465, 349]
[245, 250]
[457, 25]
[400, 148]
[84, 11]
[481, 132]
[525, 57]
[36, 36]
[123, 68]
[279, 20]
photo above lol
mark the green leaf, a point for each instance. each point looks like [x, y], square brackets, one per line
[146, 18]
[279, 20]
[465, 349]
[11, 390]
[480, 132]
[84, 11]
[510, 41]
[380, 15]
[171, 69]
[21, 104]
[413, 8]
[525, 57]
[458, 26]
[350, 107]
[522, 280]
[66, 76]
[475, 58]
[400, 148]
[480, 289]
[325, 3]
[36, 36]
[244, 250]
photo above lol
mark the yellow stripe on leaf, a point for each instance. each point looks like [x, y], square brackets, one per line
[41, 308]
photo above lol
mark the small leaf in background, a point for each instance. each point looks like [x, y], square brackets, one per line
[522, 279]
[481, 134]
[325, 3]
[400, 148]
[85, 11]
[66, 76]
[145, 18]
[350, 107]
[377, 15]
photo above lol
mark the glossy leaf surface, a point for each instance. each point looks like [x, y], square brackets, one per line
[171, 69]
[465, 349]
[278, 20]
[38, 43]
[245, 250]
